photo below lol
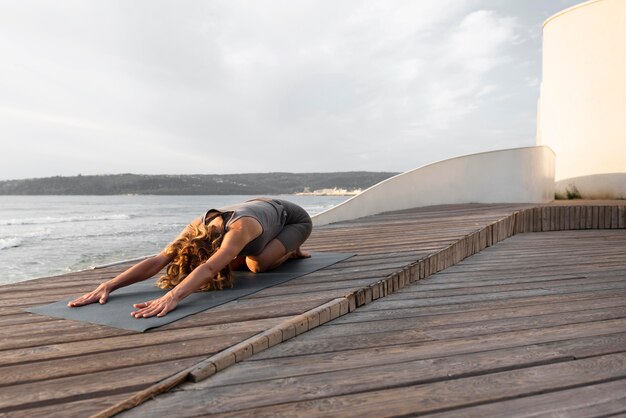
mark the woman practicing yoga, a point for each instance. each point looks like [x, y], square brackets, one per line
[260, 234]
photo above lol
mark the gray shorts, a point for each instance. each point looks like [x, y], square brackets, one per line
[298, 226]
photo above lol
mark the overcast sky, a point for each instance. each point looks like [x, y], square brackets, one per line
[203, 87]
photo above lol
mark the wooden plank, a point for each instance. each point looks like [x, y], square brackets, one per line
[554, 221]
[456, 393]
[464, 299]
[458, 282]
[564, 218]
[583, 282]
[408, 339]
[476, 276]
[86, 407]
[260, 370]
[224, 398]
[520, 324]
[314, 288]
[602, 399]
[70, 389]
[350, 336]
[397, 309]
[609, 261]
[87, 363]
[112, 346]
[217, 321]
[582, 221]
[600, 217]
[24, 318]
[391, 318]
[556, 215]
[595, 217]
[537, 219]
[555, 314]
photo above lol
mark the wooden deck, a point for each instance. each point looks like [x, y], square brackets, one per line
[56, 367]
[533, 325]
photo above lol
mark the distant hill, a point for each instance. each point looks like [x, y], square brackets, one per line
[219, 184]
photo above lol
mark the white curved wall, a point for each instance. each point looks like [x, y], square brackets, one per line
[595, 186]
[519, 175]
[583, 93]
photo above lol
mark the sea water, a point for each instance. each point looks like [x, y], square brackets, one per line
[51, 235]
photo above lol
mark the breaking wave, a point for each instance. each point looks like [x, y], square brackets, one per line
[9, 243]
[53, 220]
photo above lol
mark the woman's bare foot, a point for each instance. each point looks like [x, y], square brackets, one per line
[298, 253]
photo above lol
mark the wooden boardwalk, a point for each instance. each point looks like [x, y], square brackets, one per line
[62, 368]
[533, 325]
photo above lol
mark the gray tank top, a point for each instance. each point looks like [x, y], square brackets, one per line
[268, 212]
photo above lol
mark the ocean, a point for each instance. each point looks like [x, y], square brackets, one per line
[51, 235]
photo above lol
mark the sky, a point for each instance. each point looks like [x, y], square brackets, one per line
[220, 87]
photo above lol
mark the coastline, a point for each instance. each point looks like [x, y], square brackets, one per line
[330, 192]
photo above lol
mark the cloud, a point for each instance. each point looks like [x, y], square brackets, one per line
[234, 86]
[459, 80]
[478, 42]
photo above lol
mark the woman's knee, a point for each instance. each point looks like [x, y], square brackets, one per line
[255, 265]
[260, 264]
[271, 256]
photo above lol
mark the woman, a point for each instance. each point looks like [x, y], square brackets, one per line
[260, 233]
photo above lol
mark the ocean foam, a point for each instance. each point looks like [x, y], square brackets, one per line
[35, 234]
[9, 243]
[53, 220]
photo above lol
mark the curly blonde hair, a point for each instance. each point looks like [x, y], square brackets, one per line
[189, 252]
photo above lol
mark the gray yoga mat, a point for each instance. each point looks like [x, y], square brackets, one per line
[116, 312]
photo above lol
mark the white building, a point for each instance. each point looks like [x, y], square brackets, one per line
[582, 105]
[581, 130]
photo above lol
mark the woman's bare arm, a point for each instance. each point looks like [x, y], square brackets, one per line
[140, 271]
[240, 234]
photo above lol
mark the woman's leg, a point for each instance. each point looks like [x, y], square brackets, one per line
[273, 255]
[239, 263]
[287, 243]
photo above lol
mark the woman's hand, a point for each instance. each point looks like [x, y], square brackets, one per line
[101, 294]
[158, 307]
